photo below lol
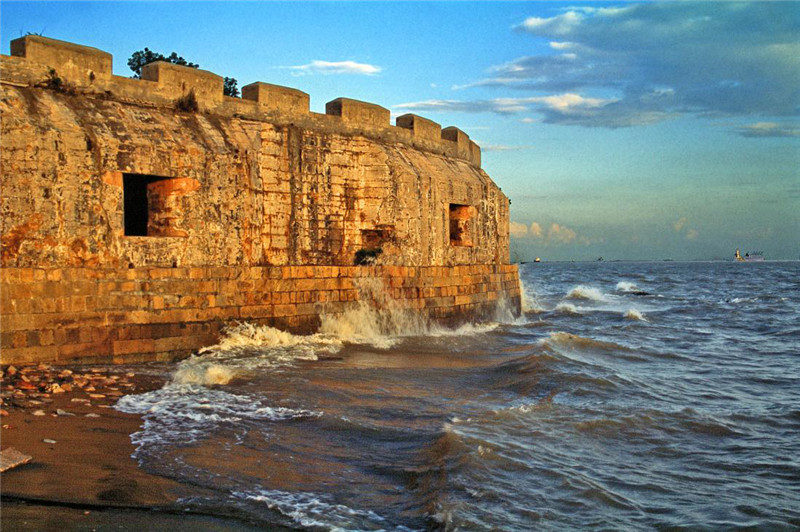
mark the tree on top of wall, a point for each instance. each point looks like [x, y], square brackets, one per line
[144, 57]
[229, 88]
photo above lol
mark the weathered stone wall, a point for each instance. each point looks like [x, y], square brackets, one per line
[254, 209]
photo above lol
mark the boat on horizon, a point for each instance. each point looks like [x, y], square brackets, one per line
[756, 256]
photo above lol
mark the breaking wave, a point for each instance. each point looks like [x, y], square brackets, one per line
[529, 299]
[375, 319]
[202, 374]
[244, 335]
[586, 292]
[568, 309]
[245, 347]
[633, 314]
[379, 321]
[626, 286]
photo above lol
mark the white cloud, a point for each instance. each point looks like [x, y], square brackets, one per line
[560, 25]
[335, 67]
[556, 234]
[517, 230]
[560, 233]
[502, 147]
[683, 223]
[561, 45]
[567, 103]
[769, 129]
[663, 59]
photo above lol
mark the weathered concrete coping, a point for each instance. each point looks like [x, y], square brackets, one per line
[41, 61]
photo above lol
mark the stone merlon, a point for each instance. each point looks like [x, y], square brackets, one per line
[276, 98]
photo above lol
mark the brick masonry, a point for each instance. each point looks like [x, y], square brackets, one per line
[95, 315]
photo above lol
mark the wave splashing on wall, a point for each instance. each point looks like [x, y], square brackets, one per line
[375, 319]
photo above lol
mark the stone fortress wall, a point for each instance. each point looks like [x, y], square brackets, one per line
[134, 227]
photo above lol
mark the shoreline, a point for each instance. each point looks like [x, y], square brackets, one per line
[81, 473]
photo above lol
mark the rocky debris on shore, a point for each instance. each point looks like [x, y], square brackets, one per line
[10, 458]
[34, 389]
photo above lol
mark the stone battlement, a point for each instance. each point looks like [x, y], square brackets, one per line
[37, 60]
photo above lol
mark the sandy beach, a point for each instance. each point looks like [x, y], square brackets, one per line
[81, 474]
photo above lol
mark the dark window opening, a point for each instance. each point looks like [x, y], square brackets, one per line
[460, 226]
[135, 205]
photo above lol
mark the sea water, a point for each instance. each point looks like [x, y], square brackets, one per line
[627, 396]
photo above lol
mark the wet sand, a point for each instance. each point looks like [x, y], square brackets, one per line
[81, 475]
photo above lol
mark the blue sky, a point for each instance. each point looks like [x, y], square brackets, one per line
[628, 130]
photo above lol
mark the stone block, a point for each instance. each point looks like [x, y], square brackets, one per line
[475, 153]
[357, 113]
[421, 127]
[72, 63]
[29, 355]
[124, 347]
[270, 97]
[460, 140]
[176, 81]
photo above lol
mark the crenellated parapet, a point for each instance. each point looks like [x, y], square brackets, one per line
[40, 61]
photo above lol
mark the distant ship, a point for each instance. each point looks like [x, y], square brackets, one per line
[756, 256]
[537, 259]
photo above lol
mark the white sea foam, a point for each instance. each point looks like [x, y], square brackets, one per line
[625, 286]
[310, 510]
[378, 320]
[202, 373]
[529, 299]
[245, 346]
[183, 413]
[466, 329]
[633, 314]
[244, 335]
[586, 292]
[375, 319]
[736, 300]
[567, 309]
